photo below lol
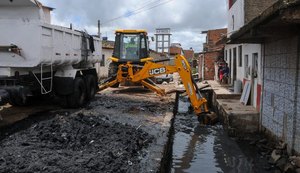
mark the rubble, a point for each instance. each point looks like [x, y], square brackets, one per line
[275, 156]
[78, 143]
[276, 153]
[295, 161]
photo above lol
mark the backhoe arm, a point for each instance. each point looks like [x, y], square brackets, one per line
[198, 102]
[182, 66]
[141, 74]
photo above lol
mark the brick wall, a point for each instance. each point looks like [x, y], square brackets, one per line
[281, 91]
[253, 8]
[213, 36]
[209, 64]
[175, 50]
[213, 49]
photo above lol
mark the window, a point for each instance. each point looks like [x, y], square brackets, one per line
[226, 55]
[231, 2]
[255, 64]
[160, 44]
[232, 22]
[166, 38]
[240, 56]
[102, 62]
[159, 38]
[130, 46]
[230, 58]
[143, 43]
[234, 64]
[234, 53]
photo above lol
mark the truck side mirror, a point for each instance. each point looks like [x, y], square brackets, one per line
[152, 38]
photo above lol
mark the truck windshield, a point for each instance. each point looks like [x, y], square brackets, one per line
[130, 44]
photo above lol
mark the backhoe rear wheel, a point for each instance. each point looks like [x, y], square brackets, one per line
[78, 97]
[112, 71]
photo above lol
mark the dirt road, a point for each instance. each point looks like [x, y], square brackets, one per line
[120, 131]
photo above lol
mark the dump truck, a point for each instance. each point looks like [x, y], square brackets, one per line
[41, 59]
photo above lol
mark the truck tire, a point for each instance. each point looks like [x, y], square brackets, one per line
[91, 87]
[18, 98]
[112, 71]
[78, 97]
[17, 101]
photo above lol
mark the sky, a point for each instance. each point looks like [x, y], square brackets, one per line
[186, 18]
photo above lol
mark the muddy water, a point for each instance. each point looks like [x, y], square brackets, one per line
[209, 149]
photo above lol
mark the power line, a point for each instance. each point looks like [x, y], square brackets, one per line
[140, 10]
[149, 3]
[133, 12]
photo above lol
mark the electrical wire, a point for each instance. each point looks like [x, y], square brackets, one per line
[151, 5]
[136, 11]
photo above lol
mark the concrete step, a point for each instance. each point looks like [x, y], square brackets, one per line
[235, 115]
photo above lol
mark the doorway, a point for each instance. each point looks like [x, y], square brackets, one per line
[234, 66]
[254, 79]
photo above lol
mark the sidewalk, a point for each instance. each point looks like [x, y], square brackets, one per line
[235, 116]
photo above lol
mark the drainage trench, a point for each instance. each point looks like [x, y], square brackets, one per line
[194, 148]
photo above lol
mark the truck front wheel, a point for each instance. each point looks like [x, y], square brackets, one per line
[78, 97]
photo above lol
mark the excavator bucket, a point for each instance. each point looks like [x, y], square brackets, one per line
[208, 118]
[205, 118]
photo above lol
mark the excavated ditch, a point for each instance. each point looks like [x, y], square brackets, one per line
[78, 143]
[210, 149]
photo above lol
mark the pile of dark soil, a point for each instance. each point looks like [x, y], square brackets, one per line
[74, 144]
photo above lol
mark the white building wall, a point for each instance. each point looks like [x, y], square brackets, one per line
[229, 57]
[236, 17]
[103, 70]
[246, 70]
[250, 49]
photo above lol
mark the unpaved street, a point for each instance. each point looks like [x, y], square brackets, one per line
[120, 131]
[123, 130]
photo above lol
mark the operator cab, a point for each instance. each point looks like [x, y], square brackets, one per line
[131, 45]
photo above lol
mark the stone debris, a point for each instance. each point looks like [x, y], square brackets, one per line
[276, 153]
[76, 143]
[275, 156]
[295, 161]
[279, 159]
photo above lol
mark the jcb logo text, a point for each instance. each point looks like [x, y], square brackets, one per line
[157, 71]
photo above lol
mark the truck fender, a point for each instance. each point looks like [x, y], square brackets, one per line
[68, 73]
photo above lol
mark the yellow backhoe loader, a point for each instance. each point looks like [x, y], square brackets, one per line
[131, 63]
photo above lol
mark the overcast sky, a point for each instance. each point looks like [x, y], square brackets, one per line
[186, 18]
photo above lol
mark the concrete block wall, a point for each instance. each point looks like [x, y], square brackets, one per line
[281, 97]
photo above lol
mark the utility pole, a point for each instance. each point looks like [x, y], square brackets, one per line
[99, 33]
